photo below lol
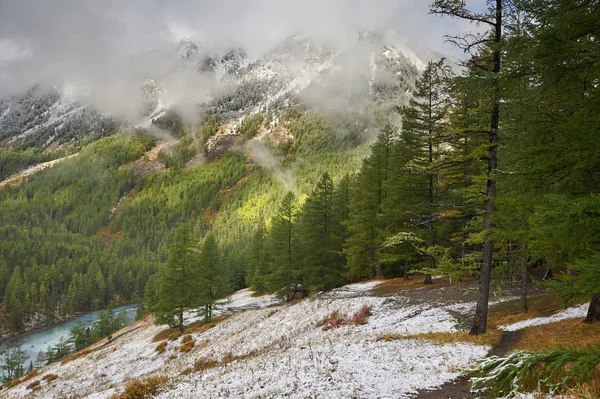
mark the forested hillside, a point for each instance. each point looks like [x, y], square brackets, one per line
[484, 172]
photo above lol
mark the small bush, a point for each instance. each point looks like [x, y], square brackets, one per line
[162, 347]
[334, 320]
[186, 338]
[142, 389]
[30, 375]
[360, 317]
[33, 384]
[50, 377]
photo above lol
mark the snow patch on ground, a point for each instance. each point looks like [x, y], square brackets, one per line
[273, 351]
[570, 313]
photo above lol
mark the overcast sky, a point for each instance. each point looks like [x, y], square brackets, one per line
[108, 42]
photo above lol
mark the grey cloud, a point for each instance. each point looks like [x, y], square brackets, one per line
[106, 47]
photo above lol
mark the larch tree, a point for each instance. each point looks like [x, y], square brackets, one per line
[178, 282]
[423, 129]
[489, 59]
[212, 278]
[283, 249]
[319, 226]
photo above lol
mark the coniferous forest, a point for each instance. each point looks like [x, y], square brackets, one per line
[487, 172]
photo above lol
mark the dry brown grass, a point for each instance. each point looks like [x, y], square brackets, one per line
[142, 389]
[34, 384]
[492, 337]
[32, 374]
[77, 355]
[510, 312]
[398, 284]
[202, 326]
[174, 336]
[162, 347]
[187, 343]
[571, 333]
[50, 377]
[257, 295]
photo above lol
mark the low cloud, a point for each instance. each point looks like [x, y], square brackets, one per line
[106, 48]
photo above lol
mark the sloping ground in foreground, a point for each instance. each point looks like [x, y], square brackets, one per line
[268, 350]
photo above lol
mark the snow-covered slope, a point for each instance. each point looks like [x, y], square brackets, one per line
[277, 350]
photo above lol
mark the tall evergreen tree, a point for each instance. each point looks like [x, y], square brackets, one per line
[489, 60]
[319, 227]
[367, 224]
[283, 249]
[212, 278]
[178, 287]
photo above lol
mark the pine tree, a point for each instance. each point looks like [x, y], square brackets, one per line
[322, 265]
[282, 244]
[490, 62]
[212, 279]
[257, 272]
[178, 286]
[12, 365]
[423, 135]
[366, 224]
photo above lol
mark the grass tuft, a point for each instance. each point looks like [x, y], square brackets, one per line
[142, 389]
[77, 355]
[162, 347]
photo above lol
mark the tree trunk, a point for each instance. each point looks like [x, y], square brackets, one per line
[485, 274]
[593, 315]
[525, 279]
[181, 320]
[405, 276]
[427, 279]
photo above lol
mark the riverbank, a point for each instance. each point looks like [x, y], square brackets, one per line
[33, 342]
[33, 326]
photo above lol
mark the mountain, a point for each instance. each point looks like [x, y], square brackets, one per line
[372, 71]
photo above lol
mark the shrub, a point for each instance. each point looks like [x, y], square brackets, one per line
[362, 315]
[30, 375]
[334, 320]
[142, 389]
[33, 384]
[553, 371]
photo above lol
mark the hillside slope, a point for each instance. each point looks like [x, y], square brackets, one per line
[279, 350]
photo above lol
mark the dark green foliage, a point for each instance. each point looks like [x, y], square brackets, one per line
[179, 287]
[12, 362]
[283, 270]
[13, 161]
[250, 125]
[552, 371]
[47, 229]
[322, 236]
[108, 322]
[172, 122]
[212, 276]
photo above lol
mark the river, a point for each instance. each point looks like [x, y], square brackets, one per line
[33, 342]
